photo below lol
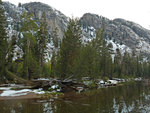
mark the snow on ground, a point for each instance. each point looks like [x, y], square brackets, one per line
[143, 46]
[38, 91]
[5, 88]
[123, 48]
[113, 82]
[43, 79]
[8, 92]
[54, 86]
[15, 92]
[90, 33]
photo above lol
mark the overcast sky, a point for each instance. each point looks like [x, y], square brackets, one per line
[133, 10]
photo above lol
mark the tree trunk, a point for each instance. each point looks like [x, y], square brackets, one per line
[15, 77]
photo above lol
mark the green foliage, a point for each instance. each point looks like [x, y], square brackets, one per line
[105, 78]
[20, 68]
[31, 67]
[28, 45]
[56, 43]
[53, 63]
[3, 43]
[94, 58]
[69, 50]
[55, 38]
[84, 63]
[46, 69]
[42, 39]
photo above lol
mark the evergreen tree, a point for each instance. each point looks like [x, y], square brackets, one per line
[97, 45]
[84, 66]
[11, 49]
[103, 55]
[53, 63]
[42, 39]
[106, 60]
[139, 65]
[55, 38]
[93, 57]
[69, 49]
[56, 43]
[12, 43]
[3, 43]
[28, 43]
[118, 63]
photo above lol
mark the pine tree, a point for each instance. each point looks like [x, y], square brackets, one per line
[106, 60]
[102, 61]
[97, 45]
[11, 49]
[29, 29]
[53, 63]
[55, 38]
[69, 49]
[95, 58]
[126, 65]
[103, 54]
[118, 63]
[138, 66]
[3, 43]
[56, 43]
[12, 43]
[84, 62]
[42, 39]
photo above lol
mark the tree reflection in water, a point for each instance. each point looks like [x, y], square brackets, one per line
[133, 97]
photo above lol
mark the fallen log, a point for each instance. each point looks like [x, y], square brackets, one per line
[45, 84]
[65, 86]
[40, 84]
[70, 86]
[16, 78]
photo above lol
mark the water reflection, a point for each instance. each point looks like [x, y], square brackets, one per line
[129, 98]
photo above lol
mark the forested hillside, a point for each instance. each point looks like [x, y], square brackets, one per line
[35, 45]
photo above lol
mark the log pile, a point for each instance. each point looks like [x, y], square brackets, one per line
[69, 86]
[65, 86]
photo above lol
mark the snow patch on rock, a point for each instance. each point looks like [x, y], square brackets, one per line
[123, 48]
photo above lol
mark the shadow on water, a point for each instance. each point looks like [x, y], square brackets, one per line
[129, 98]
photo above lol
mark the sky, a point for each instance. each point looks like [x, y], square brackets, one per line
[137, 11]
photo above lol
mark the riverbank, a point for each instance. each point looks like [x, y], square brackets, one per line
[19, 91]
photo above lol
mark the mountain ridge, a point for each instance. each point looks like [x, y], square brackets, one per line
[117, 31]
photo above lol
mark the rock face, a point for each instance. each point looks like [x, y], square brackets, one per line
[12, 11]
[123, 34]
[120, 31]
[54, 17]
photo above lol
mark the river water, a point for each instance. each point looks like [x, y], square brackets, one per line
[128, 98]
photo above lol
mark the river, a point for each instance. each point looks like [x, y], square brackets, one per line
[128, 98]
